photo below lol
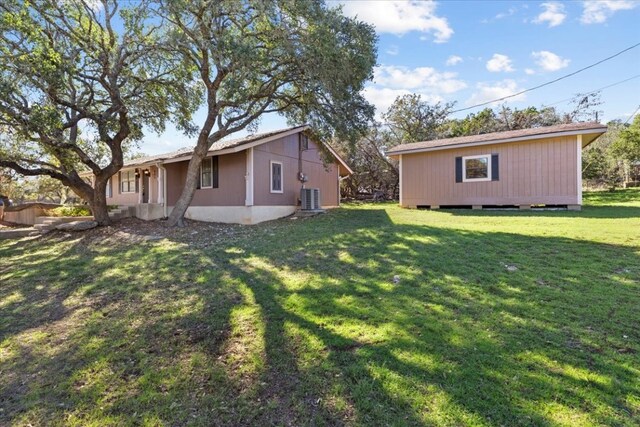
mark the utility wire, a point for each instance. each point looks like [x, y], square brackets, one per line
[591, 91]
[549, 82]
[632, 114]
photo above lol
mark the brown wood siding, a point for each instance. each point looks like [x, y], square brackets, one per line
[285, 150]
[231, 182]
[542, 171]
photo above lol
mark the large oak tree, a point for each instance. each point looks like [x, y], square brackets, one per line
[301, 59]
[79, 79]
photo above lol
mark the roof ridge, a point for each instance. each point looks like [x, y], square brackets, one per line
[218, 145]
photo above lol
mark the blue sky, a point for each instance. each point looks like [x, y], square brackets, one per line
[475, 51]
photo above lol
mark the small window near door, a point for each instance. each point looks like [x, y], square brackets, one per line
[276, 177]
[206, 173]
[109, 191]
[128, 181]
[476, 168]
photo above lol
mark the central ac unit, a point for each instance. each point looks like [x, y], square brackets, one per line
[310, 198]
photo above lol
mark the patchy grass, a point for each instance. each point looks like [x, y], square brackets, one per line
[368, 315]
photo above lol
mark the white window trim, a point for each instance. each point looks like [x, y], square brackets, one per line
[134, 181]
[271, 163]
[211, 172]
[464, 168]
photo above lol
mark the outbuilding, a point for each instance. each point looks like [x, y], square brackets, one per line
[523, 168]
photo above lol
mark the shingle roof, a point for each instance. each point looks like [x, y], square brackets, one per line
[231, 143]
[185, 151]
[217, 146]
[501, 137]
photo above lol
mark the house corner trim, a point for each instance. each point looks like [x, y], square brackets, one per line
[249, 178]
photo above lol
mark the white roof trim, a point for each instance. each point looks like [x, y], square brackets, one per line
[239, 148]
[338, 158]
[500, 141]
[258, 142]
[242, 147]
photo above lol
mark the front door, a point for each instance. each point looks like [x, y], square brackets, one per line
[145, 187]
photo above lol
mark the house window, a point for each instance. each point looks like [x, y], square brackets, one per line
[109, 191]
[304, 142]
[206, 173]
[128, 181]
[476, 168]
[276, 177]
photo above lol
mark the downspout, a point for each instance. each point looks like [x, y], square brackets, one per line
[164, 188]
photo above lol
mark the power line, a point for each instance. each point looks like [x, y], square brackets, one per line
[591, 91]
[632, 114]
[549, 82]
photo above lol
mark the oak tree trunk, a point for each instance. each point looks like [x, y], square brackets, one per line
[99, 202]
[176, 218]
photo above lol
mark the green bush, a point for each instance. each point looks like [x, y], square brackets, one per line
[70, 211]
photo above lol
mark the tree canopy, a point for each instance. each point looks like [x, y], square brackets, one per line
[300, 59]
[80, 79]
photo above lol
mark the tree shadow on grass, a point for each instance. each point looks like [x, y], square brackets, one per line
[301, 323]
[530, 346]
[612, 212]
[114, 335]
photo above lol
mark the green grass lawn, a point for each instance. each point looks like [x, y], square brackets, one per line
[497, 318]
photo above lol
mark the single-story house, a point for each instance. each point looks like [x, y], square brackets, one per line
[246, 180]
[524, 168]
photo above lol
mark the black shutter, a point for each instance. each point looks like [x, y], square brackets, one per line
[214, 171]
[199, 181]
[495, 169]
[119, 182]
[137, 178]
[458, 169]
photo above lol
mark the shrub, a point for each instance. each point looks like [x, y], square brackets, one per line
[70, 211]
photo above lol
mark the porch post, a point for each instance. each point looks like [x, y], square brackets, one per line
[249, 178]
[159, 198]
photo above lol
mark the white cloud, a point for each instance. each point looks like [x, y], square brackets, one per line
[499, 62]
[393, 50]
[598, 11]
[553, 13]
[453, 60]
[549, 61]
[529, 71]
[400, 17]
[391, 81]
[490, 91]
[512, 11]
[425, 78]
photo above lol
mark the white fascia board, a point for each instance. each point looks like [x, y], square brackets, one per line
[243, 147]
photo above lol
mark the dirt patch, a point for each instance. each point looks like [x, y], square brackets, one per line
[129, 231]
[4, 225]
